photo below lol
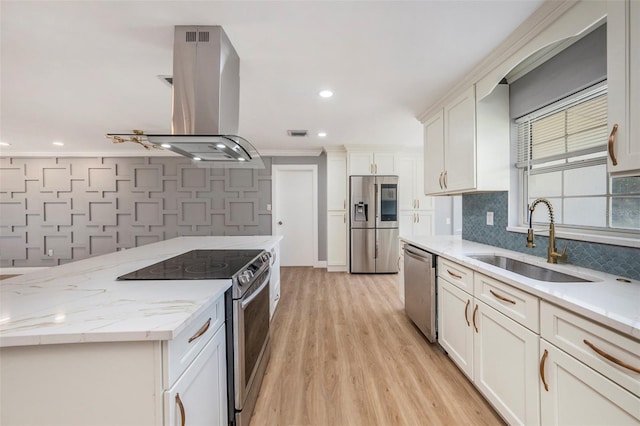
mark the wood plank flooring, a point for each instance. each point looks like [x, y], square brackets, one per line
[344, 353]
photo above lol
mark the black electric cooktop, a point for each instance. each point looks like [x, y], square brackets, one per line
[196, 265]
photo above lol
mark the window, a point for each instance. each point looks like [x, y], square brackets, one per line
[562, 152]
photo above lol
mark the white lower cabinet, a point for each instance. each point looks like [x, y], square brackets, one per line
[455, 332]
[199, 397]
[505, 365]
[337, 240]
[536, 363]
[572, 393]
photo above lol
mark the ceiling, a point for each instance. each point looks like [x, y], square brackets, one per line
[72, 71]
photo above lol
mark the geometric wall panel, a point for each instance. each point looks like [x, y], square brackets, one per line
[13, 213]
[101, 244]
[194, 212]
[147, 178]
[191, 179]
[56, 212]
[60, 244]
[13, 248]
[114, 203]
[55, 179]
[142, 240]
[102, 212]
[147, 212]
[241, 180]
[101, 179]
[241, 211]
[12, 179]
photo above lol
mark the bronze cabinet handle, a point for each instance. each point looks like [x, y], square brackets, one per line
[454, 275]
[200, 332]
[440, 180]
[612, 139]
[183, 415]
[445, 180]
[497, 296]
[611, 357]
[466, 313]
[475, 311]
[542, 361]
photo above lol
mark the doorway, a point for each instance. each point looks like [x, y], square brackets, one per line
[295, 213]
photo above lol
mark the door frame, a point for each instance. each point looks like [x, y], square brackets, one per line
[275, 169]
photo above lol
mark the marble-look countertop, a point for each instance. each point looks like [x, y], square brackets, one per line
[82, 301]
[605, 300]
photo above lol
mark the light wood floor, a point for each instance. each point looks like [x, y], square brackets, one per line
[344, 353]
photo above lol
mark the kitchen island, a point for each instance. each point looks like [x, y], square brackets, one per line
[79, 347]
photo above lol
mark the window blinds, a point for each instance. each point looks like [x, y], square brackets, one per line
[555, 137]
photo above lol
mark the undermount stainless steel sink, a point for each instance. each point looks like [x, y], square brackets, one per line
[526, 269]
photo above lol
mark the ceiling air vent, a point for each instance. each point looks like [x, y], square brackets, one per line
[298, 133]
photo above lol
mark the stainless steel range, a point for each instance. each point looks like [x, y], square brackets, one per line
[246, 314]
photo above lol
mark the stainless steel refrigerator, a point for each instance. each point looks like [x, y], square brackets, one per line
[373, 224]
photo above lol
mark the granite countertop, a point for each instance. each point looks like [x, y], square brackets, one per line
[82, 301]
[605, 300]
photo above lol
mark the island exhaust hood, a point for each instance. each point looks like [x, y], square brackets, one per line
[206, 102]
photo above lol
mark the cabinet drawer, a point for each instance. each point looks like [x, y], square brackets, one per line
[574, 334]
[182, 350]
[518, 305]
[458, 275]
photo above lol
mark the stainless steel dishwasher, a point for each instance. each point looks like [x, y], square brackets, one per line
[420, 289]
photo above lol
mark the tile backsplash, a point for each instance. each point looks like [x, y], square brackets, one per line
[616, 260]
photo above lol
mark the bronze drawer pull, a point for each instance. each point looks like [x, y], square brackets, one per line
[454, 275]
[610, 357]
[200, 332]
[612, 139]
[475, 311]
[181, 407]
[504, 299]
[542, 361]
[466, 313]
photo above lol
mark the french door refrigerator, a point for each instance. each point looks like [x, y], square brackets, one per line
[373, 224]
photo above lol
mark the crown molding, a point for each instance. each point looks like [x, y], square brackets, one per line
[290, 152]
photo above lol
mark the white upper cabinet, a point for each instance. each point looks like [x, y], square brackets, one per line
[372, 163]
[434, 153]
[623, 75]
[466, 145]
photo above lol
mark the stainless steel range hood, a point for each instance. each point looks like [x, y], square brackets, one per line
[206, 101]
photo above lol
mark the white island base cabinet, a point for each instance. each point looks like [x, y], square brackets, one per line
[119, 383]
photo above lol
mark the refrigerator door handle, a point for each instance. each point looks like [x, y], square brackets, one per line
[375, 254]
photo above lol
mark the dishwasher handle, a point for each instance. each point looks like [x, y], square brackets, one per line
[420, 255]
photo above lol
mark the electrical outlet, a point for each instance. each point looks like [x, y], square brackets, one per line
[490, 218]
[268, 207]
[50, 252]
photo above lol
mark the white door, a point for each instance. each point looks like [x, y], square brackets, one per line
[295, 213]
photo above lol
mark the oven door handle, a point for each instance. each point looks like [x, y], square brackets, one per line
[257, 292]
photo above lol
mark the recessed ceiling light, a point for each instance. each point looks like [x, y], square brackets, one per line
[241, 159]
[5, 144]
[197, 158]
[322, 134]
[58, 143]
[220, 145]
[326, 94]
[165, 145]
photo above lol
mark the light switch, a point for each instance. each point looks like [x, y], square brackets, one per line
[268, 207]
[490, 218]
[448, 221]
